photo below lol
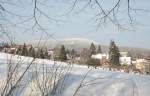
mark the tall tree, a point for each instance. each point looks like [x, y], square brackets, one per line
[19, 50]
[31, 52]
[93, 49]
[62, 54]
[24, 50]
[72, 53]
[46, 54]
[99, 50]
[41, 54]
[114, 54]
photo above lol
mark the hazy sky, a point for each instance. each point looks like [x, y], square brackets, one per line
[83, 25]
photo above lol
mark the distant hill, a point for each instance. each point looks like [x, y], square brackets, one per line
[79, 43]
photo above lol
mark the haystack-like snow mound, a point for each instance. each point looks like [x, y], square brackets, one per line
[62, 79]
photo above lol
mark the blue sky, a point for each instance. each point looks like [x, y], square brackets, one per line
[83, 25]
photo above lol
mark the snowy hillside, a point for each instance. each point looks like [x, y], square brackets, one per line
[70, 80]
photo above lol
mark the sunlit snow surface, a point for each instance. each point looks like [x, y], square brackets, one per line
[79, 80]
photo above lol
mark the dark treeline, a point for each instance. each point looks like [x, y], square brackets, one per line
[25, 50]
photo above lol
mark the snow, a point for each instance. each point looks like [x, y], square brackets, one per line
[100, 56]
[88, 81]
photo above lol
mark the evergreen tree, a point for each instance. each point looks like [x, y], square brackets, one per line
[31, 52]
[46, 54]
[99, 49]
[62, 54]
[67, 51]
[114, 54]
[41, 54]
[92, 49]
[72, 53]
[19, 50]
[24, 50]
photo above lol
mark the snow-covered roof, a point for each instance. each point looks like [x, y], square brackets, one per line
[100, 56]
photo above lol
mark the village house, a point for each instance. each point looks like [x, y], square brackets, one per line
[10, 49]
[143, 65]
[103, 59]
[125, 59]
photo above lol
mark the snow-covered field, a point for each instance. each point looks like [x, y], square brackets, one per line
[69, 80]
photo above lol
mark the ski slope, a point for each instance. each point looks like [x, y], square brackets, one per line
[77, 80]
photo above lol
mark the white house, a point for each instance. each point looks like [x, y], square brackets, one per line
[125, 60]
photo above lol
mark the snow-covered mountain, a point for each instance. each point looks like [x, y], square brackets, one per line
[69, 42]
